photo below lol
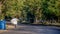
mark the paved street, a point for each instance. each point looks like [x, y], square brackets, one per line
[30, 29]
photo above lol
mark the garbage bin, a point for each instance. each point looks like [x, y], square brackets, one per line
[2, 24]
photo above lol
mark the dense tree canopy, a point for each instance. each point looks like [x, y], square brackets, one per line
[41, 9]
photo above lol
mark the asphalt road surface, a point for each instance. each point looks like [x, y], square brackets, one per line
[30, 29]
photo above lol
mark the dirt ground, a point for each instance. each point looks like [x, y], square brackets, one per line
[8, 27]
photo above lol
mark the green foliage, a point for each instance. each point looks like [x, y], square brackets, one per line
[13, 7]
[41, 9]
[51, 8]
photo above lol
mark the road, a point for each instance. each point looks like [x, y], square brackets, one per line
[32, 29]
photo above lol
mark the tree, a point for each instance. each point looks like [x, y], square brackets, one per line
[40, 9]
[51, 9]
[1, 8]
[13, 7]
[34, 8]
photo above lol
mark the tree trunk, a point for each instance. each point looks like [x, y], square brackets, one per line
[58, 19]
